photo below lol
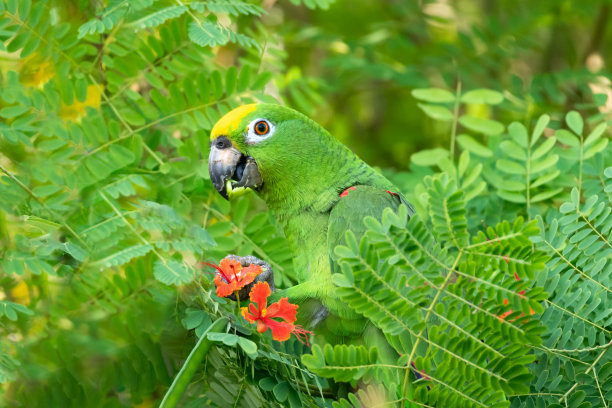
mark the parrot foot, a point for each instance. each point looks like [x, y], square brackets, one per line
[267, 274]
[319, 316]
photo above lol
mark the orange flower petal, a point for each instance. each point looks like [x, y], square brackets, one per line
[261, 327]
[259, 294]
[245, 279]
[251, 318]
[281, 331]
[252, 268]
[220, 271]
[226, 289]
[230, 267]
[283, 310]
[248, 275]
[254, 311]
[218, 280]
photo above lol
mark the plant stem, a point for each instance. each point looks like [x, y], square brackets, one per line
[183, 378]
[455, 120]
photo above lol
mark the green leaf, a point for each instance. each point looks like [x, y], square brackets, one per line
[172, 272]
[11, 6]
[231, 7]
[543, 164]
[267, 383]
[481, 125]
[74, 250]
[341, 280]
[468, 143]
[596, 134]
[154, 80]
[193, 318]
[12, 111]
[544, 148]
[566, 137]
[428, 157]
[189, 368]
[281, 391]
[24, 9]
[510, 167]
[159, 17]
[512, 197]
[340, 362]
[538, 130]
[464, 161]
[482, 96]
[545, 195]
[10, 309]
[226, 338]
[433, 95]
[47, 190]
[513, 150]
[230, 80]
[81, 89]
[599, 146]
[546, 178]
[512, 185]
[125, 255]
[437, 112]
[248, 346]
[574, 122]
[244, 79]
[518, 133]
[207, 34]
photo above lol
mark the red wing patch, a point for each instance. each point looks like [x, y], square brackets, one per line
[345, 192]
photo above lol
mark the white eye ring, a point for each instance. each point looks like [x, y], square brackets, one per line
[259, 130]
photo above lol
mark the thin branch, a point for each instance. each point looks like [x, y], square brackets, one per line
[591, 367]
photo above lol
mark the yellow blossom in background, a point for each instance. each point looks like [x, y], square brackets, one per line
[21, 293]
[35, 72]
[77, 110]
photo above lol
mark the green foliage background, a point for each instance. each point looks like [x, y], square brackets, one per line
[492, 117]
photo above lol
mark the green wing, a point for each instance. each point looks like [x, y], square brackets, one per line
[350, 210]
[348, 215]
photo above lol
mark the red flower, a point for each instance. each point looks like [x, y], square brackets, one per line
[231, 276]
[263, 315]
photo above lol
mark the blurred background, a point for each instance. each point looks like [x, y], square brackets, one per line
[352, 66]
[103, 133]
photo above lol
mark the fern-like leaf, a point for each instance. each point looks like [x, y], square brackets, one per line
[341, 362]
[231, 7]
[172, 272]
[401, 280]
[159, 17]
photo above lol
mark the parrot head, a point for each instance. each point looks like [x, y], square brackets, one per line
[264, 146]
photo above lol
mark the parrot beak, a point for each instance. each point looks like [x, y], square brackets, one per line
[229, 169]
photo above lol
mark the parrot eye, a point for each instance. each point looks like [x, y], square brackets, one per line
[259, 130]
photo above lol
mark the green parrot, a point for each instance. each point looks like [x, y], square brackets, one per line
[318, 189]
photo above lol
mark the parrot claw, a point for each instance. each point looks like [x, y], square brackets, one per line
[267, 274]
